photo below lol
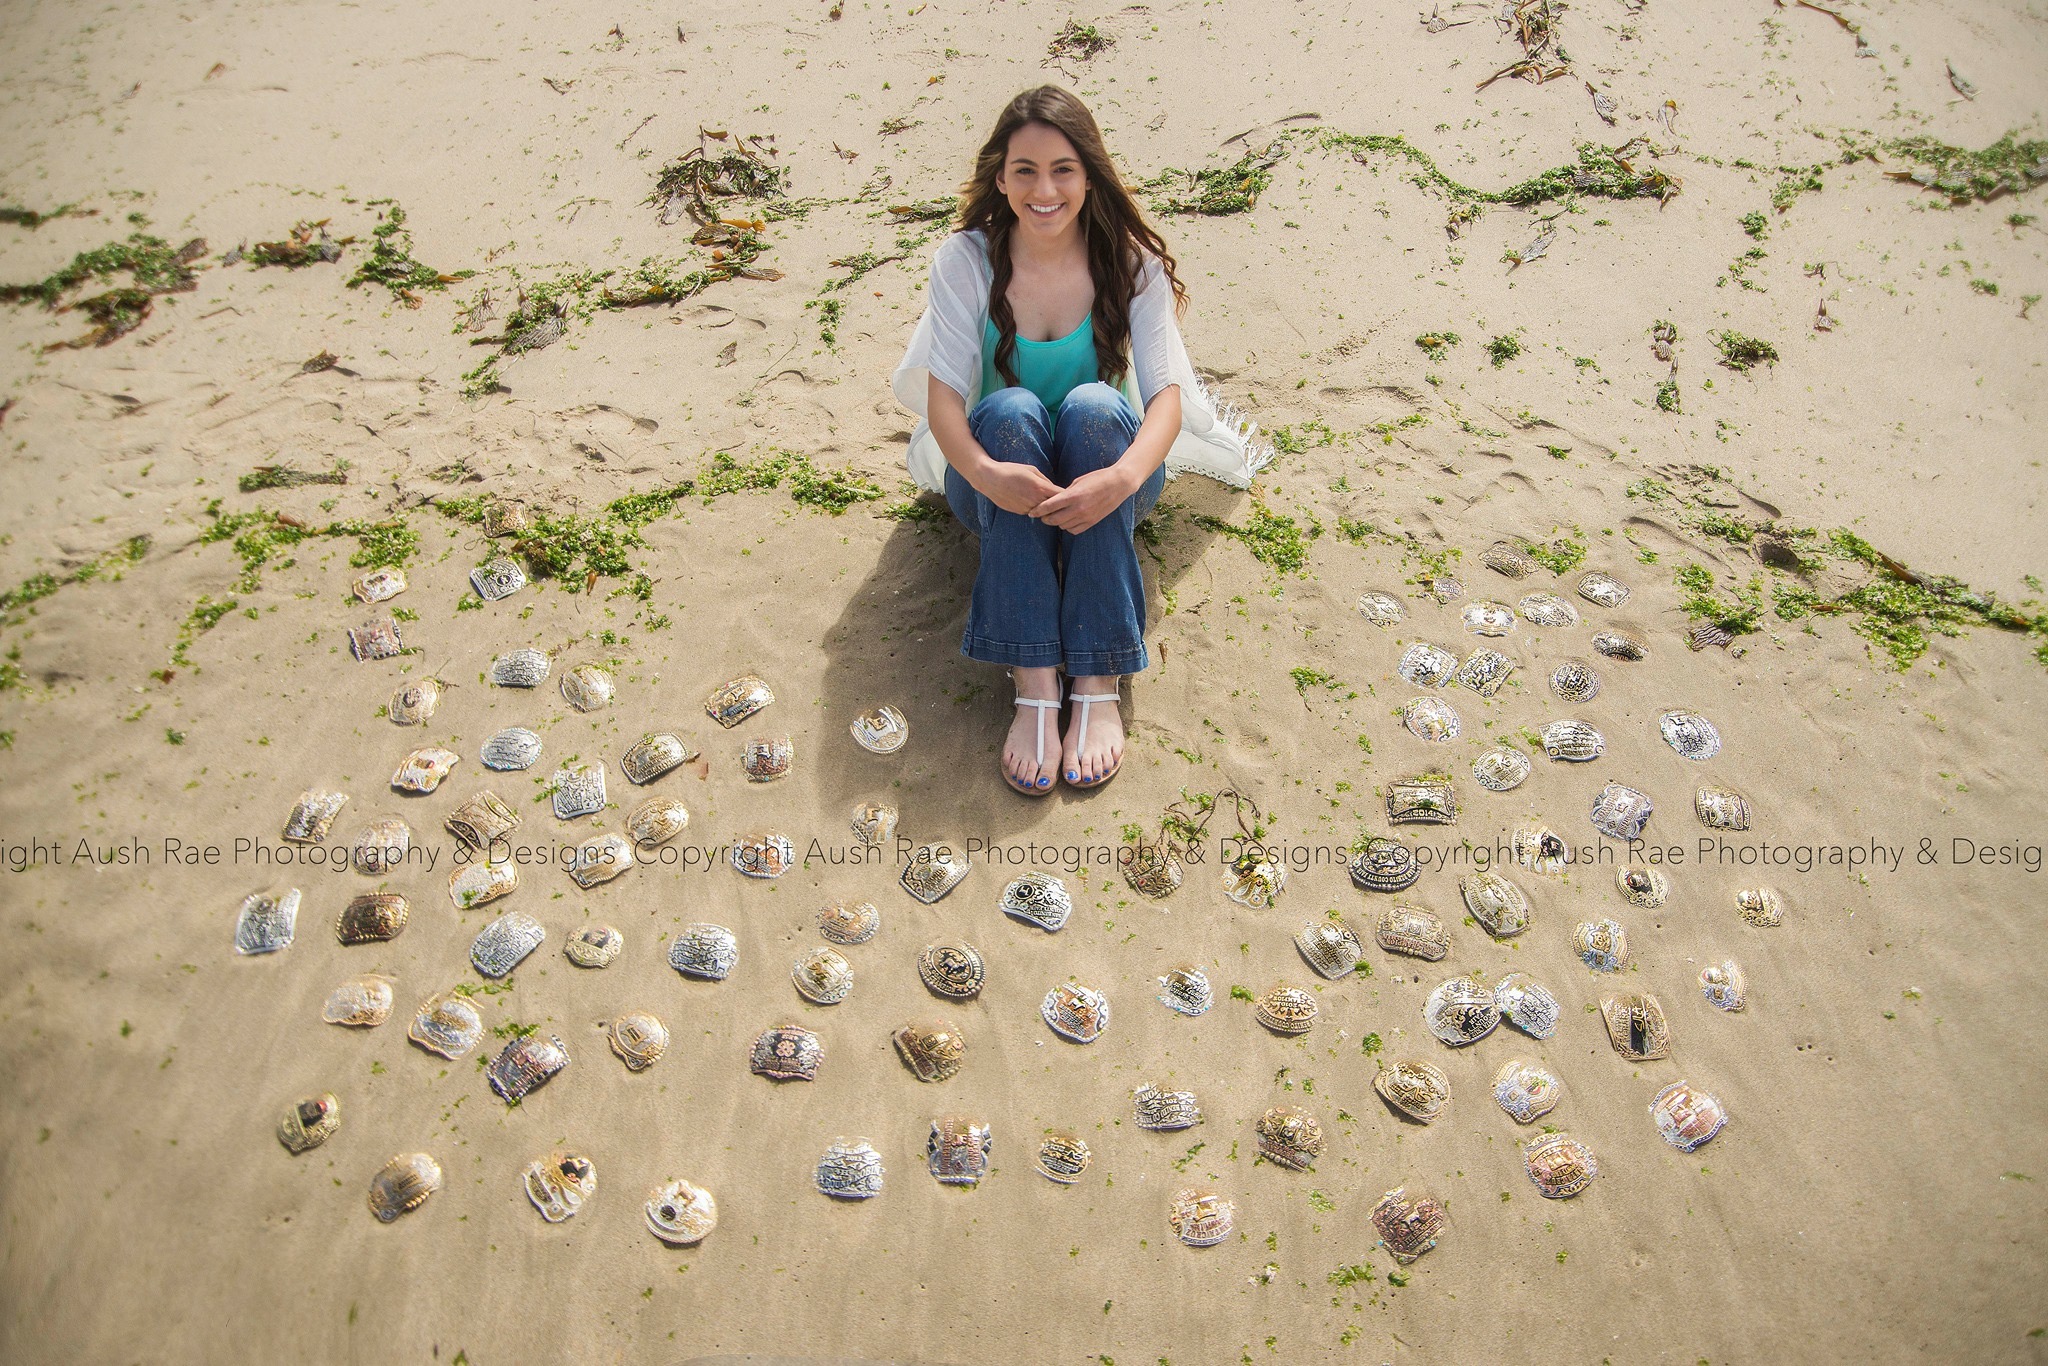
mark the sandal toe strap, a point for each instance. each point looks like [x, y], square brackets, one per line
[1038, 731]
[1081, 739]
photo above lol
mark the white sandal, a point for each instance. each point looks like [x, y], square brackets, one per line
[1043, 705]
[1081, 739]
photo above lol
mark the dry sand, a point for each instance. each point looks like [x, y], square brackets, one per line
[1877, 1195]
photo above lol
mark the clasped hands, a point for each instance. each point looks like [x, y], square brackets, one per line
[1025, 490]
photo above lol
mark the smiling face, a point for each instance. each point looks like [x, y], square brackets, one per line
[1044, 180]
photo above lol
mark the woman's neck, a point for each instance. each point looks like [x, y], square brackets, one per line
[1062, 252]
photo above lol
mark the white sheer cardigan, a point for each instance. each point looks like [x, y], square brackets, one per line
[1214, 438]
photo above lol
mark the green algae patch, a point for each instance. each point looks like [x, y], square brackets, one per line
[574, 548]
[1739, 352]
[392, 265]
[1559, 556]
[1274, 539]
[154, 268]
[1595, 172]
[1078, 42]
[2010, 165]
[547, 307]
[1437, 345]
[1306, 678]
[1218, 190]
[17, 216]
[1897, 610]
[693, 183]
[830, 491]
[265, 477]
[16, 602]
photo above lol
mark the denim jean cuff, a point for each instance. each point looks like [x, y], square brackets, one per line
[988, 651]
[1106, 662]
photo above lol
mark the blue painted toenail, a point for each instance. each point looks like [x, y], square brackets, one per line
[1043, 781]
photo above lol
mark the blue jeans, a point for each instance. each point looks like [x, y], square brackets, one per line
[1044, 596]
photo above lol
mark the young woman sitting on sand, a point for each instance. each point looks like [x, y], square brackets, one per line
[1050, 327]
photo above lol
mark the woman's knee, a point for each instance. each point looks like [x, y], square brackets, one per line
[1093, 430]
[1012, 424]
[1096, 411]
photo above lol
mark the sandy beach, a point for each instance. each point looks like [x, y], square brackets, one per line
[1680, 313]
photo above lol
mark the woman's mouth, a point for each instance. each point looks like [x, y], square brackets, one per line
[1045, 210]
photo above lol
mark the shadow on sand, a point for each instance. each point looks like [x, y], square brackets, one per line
[898, 641]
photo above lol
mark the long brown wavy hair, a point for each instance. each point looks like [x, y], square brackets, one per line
[1119, 238]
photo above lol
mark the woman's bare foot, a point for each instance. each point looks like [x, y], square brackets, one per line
[1104, 750]
[1034, 731]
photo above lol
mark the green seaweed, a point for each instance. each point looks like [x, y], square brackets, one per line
[572, 547]
[1217, 190]
[637, 510]
[830, 311]
[1078, 42]
[693, 181]
[152, 266]
[1731, 529]
[150, 262]
[1437, 345]
[31, 590]
[1738, 270]
[1898, 607]
[1306, 678]
[261, 536]
[1314, 432]
[922, 512]
[2007, 166]
[287, 476]
[1667, 396]
[1739, 352]
[546, 307]
[926, 210]
[831, 491]
[1274, 539]
[1793, 182]
[392, 264]
[17, 603]
[1595, 172]
[258, 537]
[204, 616]
[1354, 532]
[1560, 556]
[379, 545]
[1503, 349]
[31, 219]
[1739, 614]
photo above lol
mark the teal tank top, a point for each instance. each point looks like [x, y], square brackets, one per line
[1050, 369]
